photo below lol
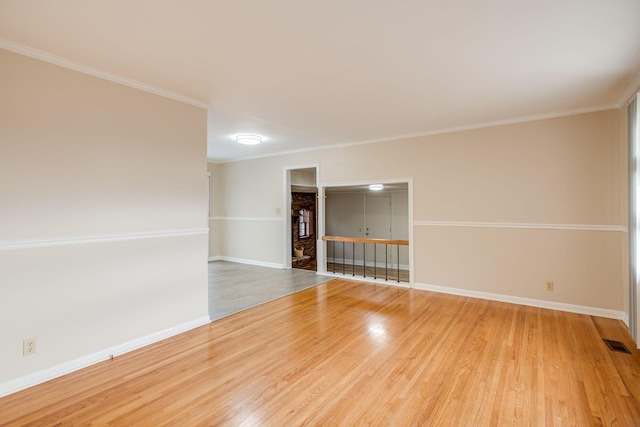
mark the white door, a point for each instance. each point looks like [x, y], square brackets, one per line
[377, 225]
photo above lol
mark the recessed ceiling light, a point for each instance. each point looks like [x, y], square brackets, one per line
[247, 139]
[376, 187]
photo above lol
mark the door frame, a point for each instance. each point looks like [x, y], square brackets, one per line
[633, 117]
[286, 211]
[365, 222]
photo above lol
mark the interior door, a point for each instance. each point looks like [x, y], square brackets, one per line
[377, 223]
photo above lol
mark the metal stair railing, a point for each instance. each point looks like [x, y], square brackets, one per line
[365, 241]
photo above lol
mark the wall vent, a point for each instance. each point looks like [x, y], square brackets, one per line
[617, 346]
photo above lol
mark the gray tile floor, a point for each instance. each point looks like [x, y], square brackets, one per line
[235, 287]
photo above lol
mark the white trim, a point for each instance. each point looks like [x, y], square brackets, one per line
[625, 319]
[39, 377]
[215, 258]
[76, 66]
[583, 227]
[481, 125]
[247, 218]
[9, 245]
[442, 131]
[367, 182]
[286, 208]
[632, 89]
[411, 231]
[551, 305]
[251, 262]
[633, 124]
[363, 191]
[287, 228]
[365, 279]
[321, 248]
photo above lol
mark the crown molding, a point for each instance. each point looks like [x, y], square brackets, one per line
[631, 90]
[76, 66]
[85, 69]
[442, 131]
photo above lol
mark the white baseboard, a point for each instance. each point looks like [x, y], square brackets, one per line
[252, 262]
[40, 377]
[625, 319]
[552, 305]
[215, 258]
[364, 279]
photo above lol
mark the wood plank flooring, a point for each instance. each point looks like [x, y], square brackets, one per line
[347, 353]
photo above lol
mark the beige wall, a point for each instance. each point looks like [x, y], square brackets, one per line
[303, 178]
[344, 214]
[565, 171]
[103, 215]
[250, 228]
[400, 223]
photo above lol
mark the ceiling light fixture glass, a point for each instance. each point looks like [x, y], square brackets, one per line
[247, 139]
[376, 187]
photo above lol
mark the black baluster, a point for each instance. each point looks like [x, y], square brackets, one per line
[375, 262]
[364, 260]
[386, 262]
[398, 263]
[333, 252]
[353, 258]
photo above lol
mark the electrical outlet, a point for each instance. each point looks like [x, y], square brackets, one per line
[550, 286]
[28, 346]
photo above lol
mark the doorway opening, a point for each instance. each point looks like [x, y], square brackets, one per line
[301, 212]
[368, 231]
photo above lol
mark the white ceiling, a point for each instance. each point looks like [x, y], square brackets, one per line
[310, 74]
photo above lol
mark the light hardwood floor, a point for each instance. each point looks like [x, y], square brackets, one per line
[348, 353]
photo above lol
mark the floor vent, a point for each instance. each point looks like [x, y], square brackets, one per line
[617, 346]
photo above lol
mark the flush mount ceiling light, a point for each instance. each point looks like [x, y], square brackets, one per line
[247, 139]
[376, 187]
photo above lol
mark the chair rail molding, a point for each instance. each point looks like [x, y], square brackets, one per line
[8, 245]
[542, 226]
